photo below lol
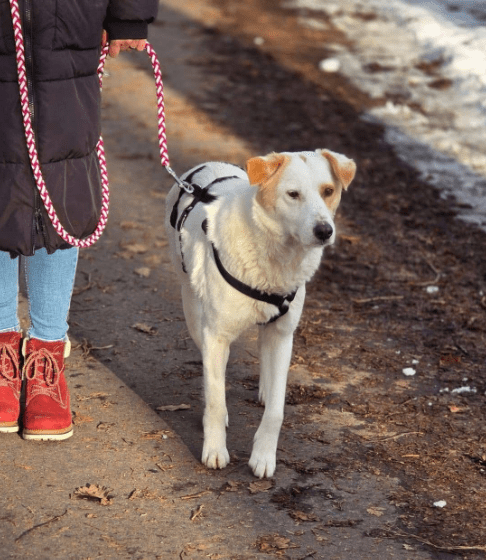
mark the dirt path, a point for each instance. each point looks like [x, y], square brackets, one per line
[365, 450]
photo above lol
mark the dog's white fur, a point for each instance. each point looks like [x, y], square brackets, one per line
[263, 224]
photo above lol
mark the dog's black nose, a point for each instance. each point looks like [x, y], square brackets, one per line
[323, 231]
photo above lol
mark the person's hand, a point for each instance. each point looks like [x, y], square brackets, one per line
[122, 44]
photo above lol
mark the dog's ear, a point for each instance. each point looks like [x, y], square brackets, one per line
[265, 172]
[342, 167]
[261, 169]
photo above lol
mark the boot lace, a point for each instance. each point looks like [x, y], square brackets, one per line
[35, 361]
[9, 355]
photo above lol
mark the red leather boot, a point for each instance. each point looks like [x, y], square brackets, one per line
[10, 381]
[47, 414]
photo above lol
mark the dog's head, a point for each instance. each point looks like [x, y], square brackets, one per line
[301, 191]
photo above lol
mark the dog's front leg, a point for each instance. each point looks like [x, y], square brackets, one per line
[215, 351]
[275, 354]
[275, 344]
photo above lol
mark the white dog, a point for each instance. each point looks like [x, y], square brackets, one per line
[244, 245]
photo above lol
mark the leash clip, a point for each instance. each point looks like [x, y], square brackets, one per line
[182, 184]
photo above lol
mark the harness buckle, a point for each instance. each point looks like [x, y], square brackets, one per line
[182, 184]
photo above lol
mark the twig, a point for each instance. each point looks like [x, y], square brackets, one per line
[194, 496]
[378, 298]
[56, 518]
[430, 282]
[396, 436]
[461, 348]
[164, 469]
[438, 547]
[197, 512]
[88, 286]
[86, 347]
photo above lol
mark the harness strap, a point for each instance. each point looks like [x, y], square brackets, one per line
[175, 209]
[282, 302]
[199, 194]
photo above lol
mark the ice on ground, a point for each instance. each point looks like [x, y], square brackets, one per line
[432, 289]
[329, 65]
[466, 389]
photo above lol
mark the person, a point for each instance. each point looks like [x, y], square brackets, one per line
[62, 48]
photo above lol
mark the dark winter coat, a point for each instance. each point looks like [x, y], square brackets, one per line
[62, 41]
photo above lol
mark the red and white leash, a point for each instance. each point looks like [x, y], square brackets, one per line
[32, 149]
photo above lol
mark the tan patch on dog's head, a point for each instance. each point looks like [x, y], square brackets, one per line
[331, 194]
[342, 167]
[265, 172]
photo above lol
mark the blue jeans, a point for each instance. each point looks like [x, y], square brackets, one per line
[50, 281]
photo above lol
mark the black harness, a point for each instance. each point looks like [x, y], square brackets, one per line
[202, 195]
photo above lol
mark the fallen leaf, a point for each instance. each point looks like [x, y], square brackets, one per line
[130, 225]
[260, 486]
[455, 409]
[301, 516]
[136, 247]
[98, 395]
[174, 407]
[143, 271]
[143, 327]
[104, 426]
[93, 492]
[79, 419]
[376, 511]
[273, 543]
[156, 434]
[144, 494]
[231, 486]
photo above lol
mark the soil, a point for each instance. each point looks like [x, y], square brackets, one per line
[366, 450]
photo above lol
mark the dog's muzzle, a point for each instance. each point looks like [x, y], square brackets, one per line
[323, 232]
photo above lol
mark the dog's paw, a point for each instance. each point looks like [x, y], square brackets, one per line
[215, 458]
[263, 464]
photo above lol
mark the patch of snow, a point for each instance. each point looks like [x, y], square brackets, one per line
[465, 389]
[330, 65]
[432, 289]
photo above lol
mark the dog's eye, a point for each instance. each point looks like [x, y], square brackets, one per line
[294, 194]
[329, 191]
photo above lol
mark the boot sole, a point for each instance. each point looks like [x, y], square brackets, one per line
[9, 429]
[36, 436]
